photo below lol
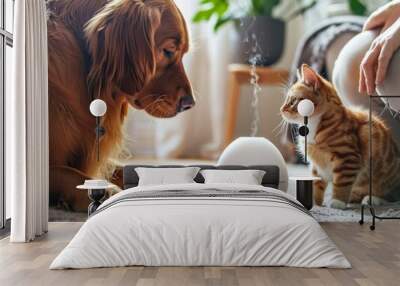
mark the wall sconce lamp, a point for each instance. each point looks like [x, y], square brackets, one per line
[305, 108]
[98, 108]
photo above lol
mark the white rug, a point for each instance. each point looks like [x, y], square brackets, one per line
[326, 214]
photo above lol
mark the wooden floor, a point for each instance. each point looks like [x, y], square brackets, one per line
[375, 257]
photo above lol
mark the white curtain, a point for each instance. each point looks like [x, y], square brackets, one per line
[27, 124]
[199, 132]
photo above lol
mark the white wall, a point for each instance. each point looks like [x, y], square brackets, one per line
[140, 134]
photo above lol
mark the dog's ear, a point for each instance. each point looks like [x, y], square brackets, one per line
[121, 44]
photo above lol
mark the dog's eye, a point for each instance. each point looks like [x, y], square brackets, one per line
[169, 54]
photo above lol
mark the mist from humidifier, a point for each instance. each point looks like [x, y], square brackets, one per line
[254, 57]
[255, 96]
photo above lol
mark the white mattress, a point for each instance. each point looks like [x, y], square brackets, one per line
[200, 231]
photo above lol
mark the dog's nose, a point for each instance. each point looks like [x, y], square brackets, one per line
[185, 103]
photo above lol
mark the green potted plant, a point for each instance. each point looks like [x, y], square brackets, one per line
[261, 33]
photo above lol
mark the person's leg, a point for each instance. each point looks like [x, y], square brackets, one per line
[334, 49]
[345, 74]
[345, 77]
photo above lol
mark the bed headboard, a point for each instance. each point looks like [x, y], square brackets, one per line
[270, 179]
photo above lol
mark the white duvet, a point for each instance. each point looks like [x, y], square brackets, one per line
[200, 231]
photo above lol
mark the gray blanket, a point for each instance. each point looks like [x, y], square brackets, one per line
[207, 194]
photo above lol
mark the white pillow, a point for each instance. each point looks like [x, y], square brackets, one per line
[165, 176]
[248, 177]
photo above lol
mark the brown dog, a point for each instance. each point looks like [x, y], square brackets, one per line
[122, 51]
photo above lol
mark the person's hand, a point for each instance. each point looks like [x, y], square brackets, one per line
[383, 17]
[375, 62]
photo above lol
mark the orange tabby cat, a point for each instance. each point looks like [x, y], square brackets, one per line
[338, 144]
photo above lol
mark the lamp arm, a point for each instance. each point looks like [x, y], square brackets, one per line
[303, 131]
[97, 138]
[98, 108]
[305, 140]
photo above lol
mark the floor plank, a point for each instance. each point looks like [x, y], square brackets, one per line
[375, 257]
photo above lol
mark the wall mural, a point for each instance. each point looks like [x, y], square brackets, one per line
[129, 55]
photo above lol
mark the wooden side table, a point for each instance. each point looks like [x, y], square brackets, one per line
[240, 74]
[304, 190]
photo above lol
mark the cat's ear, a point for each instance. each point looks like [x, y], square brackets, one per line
[310, 77]
[299, 76]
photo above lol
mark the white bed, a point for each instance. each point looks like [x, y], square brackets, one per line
[207, 230]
